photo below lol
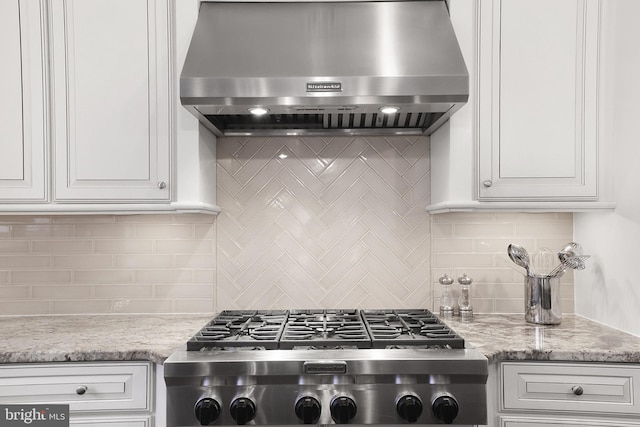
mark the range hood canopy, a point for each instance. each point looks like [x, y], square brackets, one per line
[318, 68]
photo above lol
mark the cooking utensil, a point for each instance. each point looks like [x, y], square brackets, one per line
[573, 262]
[519, 256]
[571, 249]
[542, 261]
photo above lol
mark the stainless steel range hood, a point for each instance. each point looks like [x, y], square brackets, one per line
[318, 68]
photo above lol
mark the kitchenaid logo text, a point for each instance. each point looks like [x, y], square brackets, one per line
[324, 87]
[43, 416]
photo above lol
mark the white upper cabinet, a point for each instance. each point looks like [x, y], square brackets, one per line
[111, 91]
[22, 102]
[537, 100]
[89, 108]
[528, 139]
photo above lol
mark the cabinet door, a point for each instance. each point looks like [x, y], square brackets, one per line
[111, 100]
[537, 100]
[22, 102]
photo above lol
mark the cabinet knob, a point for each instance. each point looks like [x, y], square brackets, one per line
[162, 185]
[487, 183]
[577, 390]
[81, 389]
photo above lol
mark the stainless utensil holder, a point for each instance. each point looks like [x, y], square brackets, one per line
[542, 300]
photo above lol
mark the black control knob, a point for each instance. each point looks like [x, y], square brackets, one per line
[308, 409]
[207, 411]
[445, 408]
[409, 408]
[242, 410]
[343, 409]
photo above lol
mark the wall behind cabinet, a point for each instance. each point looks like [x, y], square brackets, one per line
[611, 292]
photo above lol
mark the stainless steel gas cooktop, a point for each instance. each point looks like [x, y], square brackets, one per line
[286, 367]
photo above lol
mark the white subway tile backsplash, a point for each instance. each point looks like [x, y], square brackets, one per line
[339, 222]
[36, 276]
[90, 230]
[165, 231]
[107, 264]
[122, 291]
[42, 231]
[14, 246]
[14, 292]
[22, 261]
[76, 261]
[476, 244]
[14, 307]
[180, 246]
[52, 291]
[62, 246]
[136, 261]
[165, 275]
[124, 246]
[109, 276]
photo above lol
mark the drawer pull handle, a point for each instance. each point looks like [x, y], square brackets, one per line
[81, 389]
[577, 390]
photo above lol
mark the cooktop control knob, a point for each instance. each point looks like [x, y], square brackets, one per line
[343, 409]
[308, 409]
[409, 408]
[207, 411]
[445, 408]
[242, 410]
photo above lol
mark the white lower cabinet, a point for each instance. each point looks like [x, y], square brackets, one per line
[567, 394]
[98, 394]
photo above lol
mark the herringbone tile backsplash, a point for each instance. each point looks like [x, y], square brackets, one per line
[323, 222]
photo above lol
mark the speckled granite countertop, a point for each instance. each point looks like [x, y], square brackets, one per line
[95, 337]
[509, 337]
[155, 337]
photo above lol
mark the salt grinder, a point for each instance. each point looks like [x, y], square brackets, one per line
[446, 300]
[464, 302]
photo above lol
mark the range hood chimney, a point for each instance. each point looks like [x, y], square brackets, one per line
[323, 68]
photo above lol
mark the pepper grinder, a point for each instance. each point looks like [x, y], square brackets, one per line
[446, 300]
[464, 302]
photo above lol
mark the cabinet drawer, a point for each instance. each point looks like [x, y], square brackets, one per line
[108, 386]
[550, 422]
[609, 389]
[115, 422]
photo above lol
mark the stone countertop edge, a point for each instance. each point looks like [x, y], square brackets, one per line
[153, 337]
[508, 337]
[83, 338]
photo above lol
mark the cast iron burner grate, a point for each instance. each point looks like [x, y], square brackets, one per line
[413, 328]
[324, 328]
[233, 328]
